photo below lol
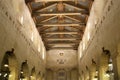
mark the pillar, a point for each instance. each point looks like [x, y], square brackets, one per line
[102, 73]
[68, 75]
[54, 75]
[91, 75]
[92, 72]
[117, 66]
[115, 69]
[86, 75]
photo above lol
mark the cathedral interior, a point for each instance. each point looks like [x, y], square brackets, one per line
[59, 39]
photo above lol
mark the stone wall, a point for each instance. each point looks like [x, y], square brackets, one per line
[18, 31]
[104, 32]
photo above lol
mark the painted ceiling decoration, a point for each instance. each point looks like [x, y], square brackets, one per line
[61, 23]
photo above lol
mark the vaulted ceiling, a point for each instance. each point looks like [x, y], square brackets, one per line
[61, 23]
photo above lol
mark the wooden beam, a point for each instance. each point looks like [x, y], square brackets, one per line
[76, 6]
[47, 7]
[77, 36]
[72, 18]
[61, 39]
[80, 18]
[49, 19]
[78, 27]
[51, 0]
[58, 13]
[60, 32]
[42, 28]
[60, 24]
[45, 19]
[42, 7]
[61, 42]
[73, 6]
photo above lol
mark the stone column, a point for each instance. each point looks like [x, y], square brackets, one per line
[91, 75]
[13, 66]
[54, 75]
[102, 72]
[86, 75]
[92, 71]
[116, 67]
[68, 75]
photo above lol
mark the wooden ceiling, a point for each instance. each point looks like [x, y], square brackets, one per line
[61, 23]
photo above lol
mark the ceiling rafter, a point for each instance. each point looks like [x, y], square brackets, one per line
[45, 19]
[61, 42]
[60, 32]
[78, 27]
[77, 6]
[52, 0]
[49, 19]
[59, 13]
[60, 24]
[73, 36]
[73, 6]
[74, 41]
[61, 39]
[51, 36]
[68, 29]
[72, 18]
[43, 28]
[70, 33]
[42, 7]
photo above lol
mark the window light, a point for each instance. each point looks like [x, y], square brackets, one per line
[21, 19]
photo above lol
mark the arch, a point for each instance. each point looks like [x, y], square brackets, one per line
[24, 72]
[9, 66]
[33, 74]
